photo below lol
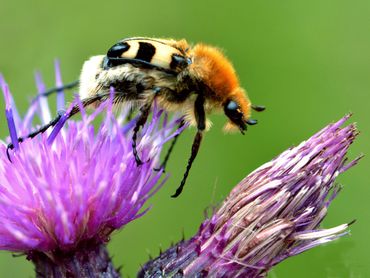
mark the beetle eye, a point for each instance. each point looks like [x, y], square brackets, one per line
[231, 105]
[232, 111]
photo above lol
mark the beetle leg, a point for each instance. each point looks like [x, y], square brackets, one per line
[57, 89]
[200, 116]
[143, 117]
[170, 149]
[75, 109]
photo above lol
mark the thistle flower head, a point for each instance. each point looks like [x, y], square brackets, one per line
[74, 184]
[272, 214]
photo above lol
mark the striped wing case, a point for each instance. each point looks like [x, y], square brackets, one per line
[163, 55]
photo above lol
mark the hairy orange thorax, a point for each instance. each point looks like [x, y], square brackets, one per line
[211, 65]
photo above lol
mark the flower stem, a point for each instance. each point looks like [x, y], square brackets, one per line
[89, 262]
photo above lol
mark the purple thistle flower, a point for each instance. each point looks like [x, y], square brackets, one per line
[68, 189]
[272, 214]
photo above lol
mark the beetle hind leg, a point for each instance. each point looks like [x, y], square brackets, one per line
[42, 129]
[58, 89]
[143, 117]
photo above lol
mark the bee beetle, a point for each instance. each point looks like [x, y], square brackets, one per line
[193, 80]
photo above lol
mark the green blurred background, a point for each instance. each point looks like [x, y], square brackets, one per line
[307, 61]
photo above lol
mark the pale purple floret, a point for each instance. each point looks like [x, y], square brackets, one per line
[58, 84]
[9, 114]
[75, 184]
[272, 214]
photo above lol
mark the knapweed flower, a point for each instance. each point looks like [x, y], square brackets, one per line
[272, 214]
[66, 190]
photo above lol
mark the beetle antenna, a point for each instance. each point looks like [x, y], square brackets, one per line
[251, 122]
[258, 108]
